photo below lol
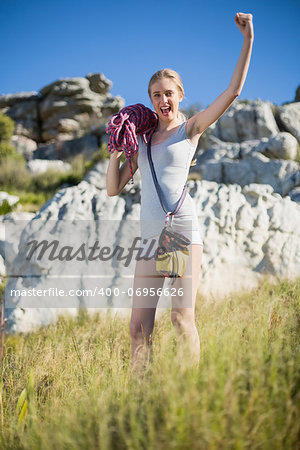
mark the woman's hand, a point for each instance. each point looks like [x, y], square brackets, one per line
[244, 24]
[116, 154]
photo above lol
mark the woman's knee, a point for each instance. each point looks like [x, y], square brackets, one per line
[139, 331]
[183, 319]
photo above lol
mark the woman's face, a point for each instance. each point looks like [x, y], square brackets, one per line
[165, 98]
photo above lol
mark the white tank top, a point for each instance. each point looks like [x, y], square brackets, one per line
[171, 160]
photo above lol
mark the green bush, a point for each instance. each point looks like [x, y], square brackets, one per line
[34, 198]
[14, 174]
[7, 150]
[7, 126]
[46, 181]
[5, 207]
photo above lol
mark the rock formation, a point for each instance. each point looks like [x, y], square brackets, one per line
[66, 110]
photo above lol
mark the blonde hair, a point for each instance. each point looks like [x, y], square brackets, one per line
[174, 76]
[166, 73]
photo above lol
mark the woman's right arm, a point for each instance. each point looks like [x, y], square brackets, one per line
[117, 178]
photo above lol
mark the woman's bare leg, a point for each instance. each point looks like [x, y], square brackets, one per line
[143, 310]
[183, 307]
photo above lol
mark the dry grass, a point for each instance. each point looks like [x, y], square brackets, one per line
[80, 392]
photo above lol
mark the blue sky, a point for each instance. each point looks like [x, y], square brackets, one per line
[42, 41]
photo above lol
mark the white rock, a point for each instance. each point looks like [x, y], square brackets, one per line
[290, 116]
[282, 146]
[2, 268]
[24, 145]
[246, 120]
[15, 223]
[97, 177]
[42, 165]
[282, 175]
[294, 194]
[11, 199]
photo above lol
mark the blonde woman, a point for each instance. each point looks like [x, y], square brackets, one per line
[173, 146]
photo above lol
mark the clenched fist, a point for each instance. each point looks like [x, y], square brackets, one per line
[245, 24]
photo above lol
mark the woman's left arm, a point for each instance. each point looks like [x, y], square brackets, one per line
[202, 120]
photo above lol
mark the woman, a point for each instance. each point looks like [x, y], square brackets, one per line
[171, 165]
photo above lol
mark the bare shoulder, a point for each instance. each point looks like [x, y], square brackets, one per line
[191, 133]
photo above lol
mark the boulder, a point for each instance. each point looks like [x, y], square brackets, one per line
[23, 109]
[64, 150]
[282, 175]
[294, 194]
[24, 145]
[99, 83]
[280, 146]
[7, 100]
[42, 165]
[65, 109]
[9, 249]
[289, 117]
[97, 177]
[69, 107]
[244, 120]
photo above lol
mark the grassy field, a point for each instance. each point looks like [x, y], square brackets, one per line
[70, 386]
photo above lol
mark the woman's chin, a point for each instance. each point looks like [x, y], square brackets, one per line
[167, 118]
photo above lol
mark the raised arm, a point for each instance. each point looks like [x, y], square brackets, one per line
[202, 120]
[117, 178]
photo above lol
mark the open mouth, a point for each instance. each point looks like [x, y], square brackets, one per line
[166, 110]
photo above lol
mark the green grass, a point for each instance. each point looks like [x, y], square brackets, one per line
[81, 394]
[5, 207]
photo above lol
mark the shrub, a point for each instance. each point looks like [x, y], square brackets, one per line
[14, 174]
[46, 181]
[34, 198]
[7, 150]
[7, 126]
[5, 207]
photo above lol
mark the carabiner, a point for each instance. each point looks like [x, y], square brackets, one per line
[168, 218]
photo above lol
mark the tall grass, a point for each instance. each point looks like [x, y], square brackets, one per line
[74, 382]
